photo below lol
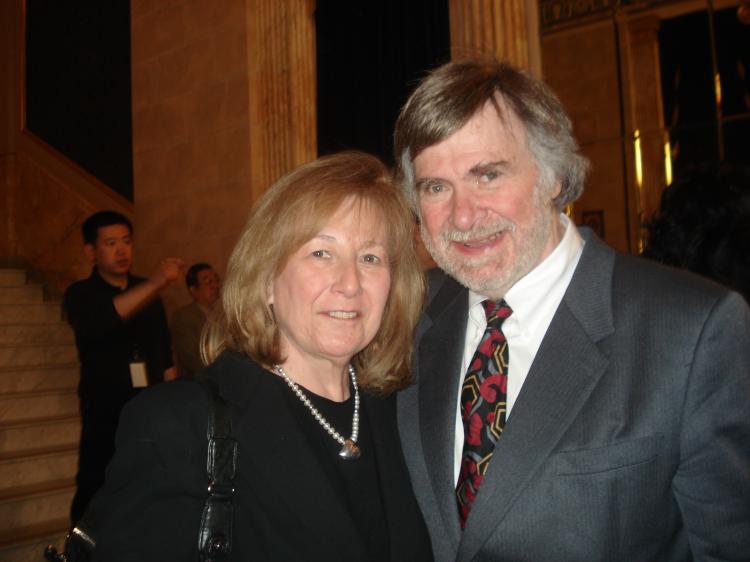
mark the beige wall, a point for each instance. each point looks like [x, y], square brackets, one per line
[581, 66]
[223, 104]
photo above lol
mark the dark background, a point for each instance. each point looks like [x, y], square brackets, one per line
[78, 84]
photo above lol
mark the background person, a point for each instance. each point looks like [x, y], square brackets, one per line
[703, 225]
[571, 403]
[322, 292]
[187, 322]
[122, 338]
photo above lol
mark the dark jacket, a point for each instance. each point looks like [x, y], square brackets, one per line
[286, 506]
[630, 439]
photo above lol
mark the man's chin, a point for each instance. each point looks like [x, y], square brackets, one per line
[483, 279]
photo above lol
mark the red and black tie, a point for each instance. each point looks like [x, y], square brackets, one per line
[483, 401]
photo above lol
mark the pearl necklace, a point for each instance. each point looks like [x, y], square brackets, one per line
[349, 448]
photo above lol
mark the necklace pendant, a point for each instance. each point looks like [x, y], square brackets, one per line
[349, 450]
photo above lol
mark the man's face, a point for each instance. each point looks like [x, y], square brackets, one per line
[112, 253]
[483, 217]
[206, 291]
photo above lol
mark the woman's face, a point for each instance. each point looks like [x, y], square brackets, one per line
[329, 298]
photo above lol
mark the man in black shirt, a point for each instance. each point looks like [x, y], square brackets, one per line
[122, 338]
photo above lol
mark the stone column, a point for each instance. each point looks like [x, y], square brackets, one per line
[281, 65]
[507, 29]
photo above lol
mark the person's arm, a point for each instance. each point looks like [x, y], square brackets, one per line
[135, 298]
[712, 483]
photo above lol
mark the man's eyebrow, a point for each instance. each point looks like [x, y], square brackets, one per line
[483, 168]
[422, 181]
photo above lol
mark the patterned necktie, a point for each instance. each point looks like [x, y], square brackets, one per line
[483, 398]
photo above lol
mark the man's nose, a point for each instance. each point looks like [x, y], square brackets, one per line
[465, 208]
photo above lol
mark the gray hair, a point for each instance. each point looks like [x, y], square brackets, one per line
[453, 93]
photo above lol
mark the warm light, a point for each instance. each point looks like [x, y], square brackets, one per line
[717, 89]
[638, 159]
[667, 163]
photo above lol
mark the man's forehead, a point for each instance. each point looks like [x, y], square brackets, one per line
[491, 137]
[113, 231]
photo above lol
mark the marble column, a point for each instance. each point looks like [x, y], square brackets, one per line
[281, 65]
[507, 29]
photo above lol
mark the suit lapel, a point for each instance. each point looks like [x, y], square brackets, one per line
[440, 355]
[566, 369]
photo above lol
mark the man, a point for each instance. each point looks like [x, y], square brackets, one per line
[187, 322]
[122, 338]
[595, 407]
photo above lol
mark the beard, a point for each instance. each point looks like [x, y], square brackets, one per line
[493, 274]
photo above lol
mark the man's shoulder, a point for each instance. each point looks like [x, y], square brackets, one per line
[81, 291]
[80, 285]
[437, 279]
[634, 275]
[187, 313]
[639, 274]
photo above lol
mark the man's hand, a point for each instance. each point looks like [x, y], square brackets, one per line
[131, 301]
[168, 271]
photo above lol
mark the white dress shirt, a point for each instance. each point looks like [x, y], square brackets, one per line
[534, 300]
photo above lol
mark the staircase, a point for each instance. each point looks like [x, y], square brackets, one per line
[39, 421]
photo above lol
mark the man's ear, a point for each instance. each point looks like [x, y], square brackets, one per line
[90, 252]
[192, 290]
[556, 189]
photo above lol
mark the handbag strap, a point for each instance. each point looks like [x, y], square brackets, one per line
[215, 533]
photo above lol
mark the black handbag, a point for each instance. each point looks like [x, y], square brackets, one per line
[215, 532]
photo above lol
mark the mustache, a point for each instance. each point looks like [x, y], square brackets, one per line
[453, 234]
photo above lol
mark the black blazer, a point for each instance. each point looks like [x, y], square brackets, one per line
[286, 505]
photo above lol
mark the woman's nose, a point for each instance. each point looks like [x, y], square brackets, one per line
[348, 280]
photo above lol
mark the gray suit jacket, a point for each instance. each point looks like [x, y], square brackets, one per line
[630, 439]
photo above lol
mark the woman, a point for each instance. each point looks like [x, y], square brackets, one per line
[321, 295]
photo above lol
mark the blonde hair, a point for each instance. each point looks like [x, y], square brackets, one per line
[290, 213]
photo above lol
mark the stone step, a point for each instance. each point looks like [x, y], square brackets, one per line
[28, 435]
[35, 467]
[24, 356]
[28, 543]
[37, 404]
[39, 378]
[29, 505]
[12, 277]
[47, 312]
[21, 295]
[59, 332]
